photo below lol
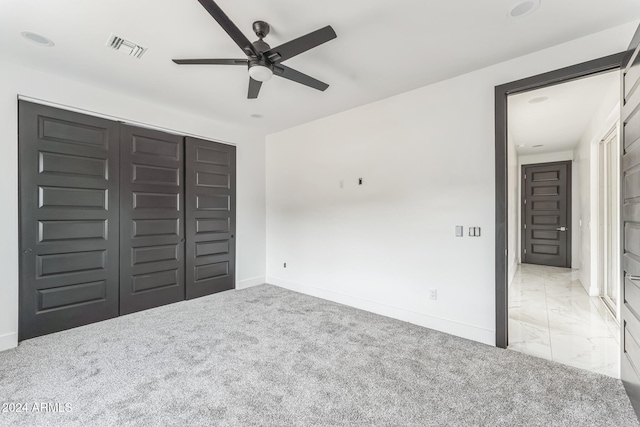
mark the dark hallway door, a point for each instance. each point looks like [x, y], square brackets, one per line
[546, 214]
[68, 219]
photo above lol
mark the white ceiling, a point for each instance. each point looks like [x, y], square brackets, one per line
[383, 47]
[559, 122]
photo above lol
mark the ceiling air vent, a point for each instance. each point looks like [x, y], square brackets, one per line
[126, 46]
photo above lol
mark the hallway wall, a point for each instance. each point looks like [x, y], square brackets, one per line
[586, 155]
[513, 208]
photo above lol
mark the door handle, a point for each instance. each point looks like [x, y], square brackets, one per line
[561, 229]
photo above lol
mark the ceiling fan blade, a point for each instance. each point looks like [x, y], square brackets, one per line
[301, 44]
[298, 77]
[254, 88]
[231, 29]
[211, 61]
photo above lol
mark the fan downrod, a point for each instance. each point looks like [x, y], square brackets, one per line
[261, 29]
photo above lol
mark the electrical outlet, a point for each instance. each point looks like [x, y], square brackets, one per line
[341, 184]
[285, 265]
[433, 294]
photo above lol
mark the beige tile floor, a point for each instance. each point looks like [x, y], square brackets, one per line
[552, 316]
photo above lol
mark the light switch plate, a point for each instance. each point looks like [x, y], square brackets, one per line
[459, 230]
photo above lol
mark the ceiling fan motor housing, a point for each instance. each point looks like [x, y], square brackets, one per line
[261, 45]
[260, 61]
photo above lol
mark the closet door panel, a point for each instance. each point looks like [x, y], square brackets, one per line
[69, 203]
[152, 215]
[210, 211]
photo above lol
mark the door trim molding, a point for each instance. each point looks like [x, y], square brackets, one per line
[585, 69]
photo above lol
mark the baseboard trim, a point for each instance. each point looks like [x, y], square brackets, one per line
[452, 327]
[8, 341]
[594, 292]
[249, 283]
[513, 268]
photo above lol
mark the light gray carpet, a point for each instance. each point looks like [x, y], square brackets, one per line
[270, 357]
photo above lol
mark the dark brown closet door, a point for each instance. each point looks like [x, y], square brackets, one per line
[68, 219]
[211, 217]
[151, 221]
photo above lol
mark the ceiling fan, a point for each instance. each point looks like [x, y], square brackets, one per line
[262, 60]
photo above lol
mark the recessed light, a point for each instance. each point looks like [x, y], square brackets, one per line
[257, 116]
[37, 38]
[537, 146]
[538, 100]
[523, 8]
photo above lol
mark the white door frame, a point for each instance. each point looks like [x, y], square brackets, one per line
[598, 261]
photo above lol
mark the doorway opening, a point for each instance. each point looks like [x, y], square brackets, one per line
[558, 135]
[554, 251]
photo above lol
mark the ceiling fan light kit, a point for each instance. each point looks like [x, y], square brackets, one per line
[262, 60]
[260, 73]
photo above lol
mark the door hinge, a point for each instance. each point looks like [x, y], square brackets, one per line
[525, 226]
[525, 201]
[525, 251]
[525, 176]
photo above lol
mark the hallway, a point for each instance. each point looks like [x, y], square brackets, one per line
[551, 316]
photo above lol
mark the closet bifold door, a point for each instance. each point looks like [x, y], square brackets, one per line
[211, 216]
[68, 186]
[151, 219]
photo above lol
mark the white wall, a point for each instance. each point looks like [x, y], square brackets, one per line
[427, 159]
[586, 164]
[513, 208]
[250, 171]
[558, 156]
